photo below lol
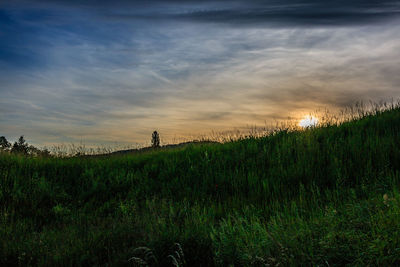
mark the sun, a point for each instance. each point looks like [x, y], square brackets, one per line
[308, 121]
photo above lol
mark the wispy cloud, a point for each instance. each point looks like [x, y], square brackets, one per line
[103, 72]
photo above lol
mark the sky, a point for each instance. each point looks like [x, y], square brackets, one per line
[107, 72]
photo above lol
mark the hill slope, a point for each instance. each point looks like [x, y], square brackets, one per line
[324, 196]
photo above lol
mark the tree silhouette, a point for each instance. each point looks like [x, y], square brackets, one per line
[4, 144]
[20, 147]
[155, 139]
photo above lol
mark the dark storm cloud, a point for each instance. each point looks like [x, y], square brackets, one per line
[302, 12]
[240, 12]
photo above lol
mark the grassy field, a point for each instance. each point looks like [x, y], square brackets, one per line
[327, 196]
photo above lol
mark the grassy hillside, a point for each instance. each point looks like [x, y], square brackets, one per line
[325, 196]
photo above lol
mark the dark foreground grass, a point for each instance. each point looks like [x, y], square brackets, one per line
[326, 196]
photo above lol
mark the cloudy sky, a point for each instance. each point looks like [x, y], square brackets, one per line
[101, 72]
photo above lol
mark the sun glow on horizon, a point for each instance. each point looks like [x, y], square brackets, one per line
[308, 121]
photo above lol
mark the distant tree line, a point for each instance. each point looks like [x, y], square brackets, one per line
[21, 147]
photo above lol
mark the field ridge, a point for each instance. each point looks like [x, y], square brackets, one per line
[326, 196]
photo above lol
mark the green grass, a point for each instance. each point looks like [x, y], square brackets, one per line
[327, 196]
